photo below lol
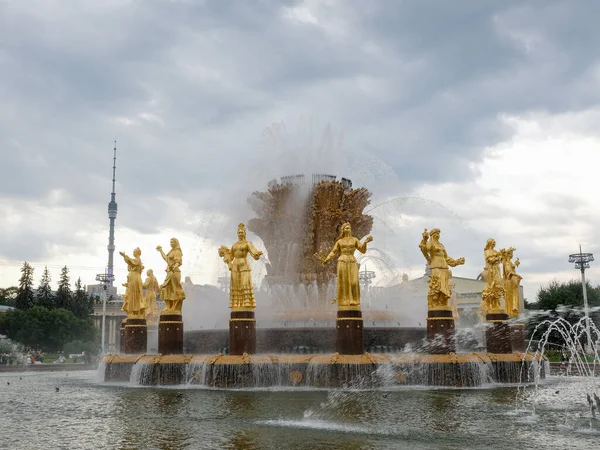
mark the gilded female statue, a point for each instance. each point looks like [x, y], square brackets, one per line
[151, 289]
[511, 282]
[348, 290]
[135, 304]
[171, 291]
[439, 281]
[241, 294]
[494, 284]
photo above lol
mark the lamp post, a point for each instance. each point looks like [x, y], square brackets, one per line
[582, 261]
[106, 279]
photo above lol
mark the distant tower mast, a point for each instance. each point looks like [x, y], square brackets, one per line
[112, 215]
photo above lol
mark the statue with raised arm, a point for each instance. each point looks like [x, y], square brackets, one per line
[135, 305]
[493, 292]
[511, 282]
[439, 281]
[241, 294]
[348, 289]
[151, 289]
[171, 291]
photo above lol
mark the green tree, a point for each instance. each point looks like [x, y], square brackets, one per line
[567, 294]
[46, 329]
[8, 296]
[64, 297]
[44, 296]
[25, 298]
[560, 300]
[82, 303]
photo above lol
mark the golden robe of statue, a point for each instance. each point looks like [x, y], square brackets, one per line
[241, 294]
[151, 290]
[511, 283]
[171, 291]
[348, 288]
[135, 305]
[493, 292]
[439, 281]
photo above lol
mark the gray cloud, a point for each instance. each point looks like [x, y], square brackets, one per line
[187, 88]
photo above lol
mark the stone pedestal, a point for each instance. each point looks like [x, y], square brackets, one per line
[440, 331]
[170, 334]
[242, 332]
[498, 333]
[123, 338]
[136, 336]
[349, 326]
[517, 337]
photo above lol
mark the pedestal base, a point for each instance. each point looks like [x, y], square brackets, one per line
[440, 332]
[498, 334]
[170, 334]
[123, 338]
[136, 336]
[242, 333]
[349, 326]
[517, 337]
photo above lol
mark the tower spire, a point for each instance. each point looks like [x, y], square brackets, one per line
[112, 215]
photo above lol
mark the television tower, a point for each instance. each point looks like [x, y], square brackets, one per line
[112, 215]
[108, 277]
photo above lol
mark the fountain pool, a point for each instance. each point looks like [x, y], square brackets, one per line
[86, 414]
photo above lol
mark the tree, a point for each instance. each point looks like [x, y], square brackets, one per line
[63, 293]
[82, 303]
[44, 296]
[46, 329]
[567, 294]
[560, 300]
[8, 296]
[25, 298]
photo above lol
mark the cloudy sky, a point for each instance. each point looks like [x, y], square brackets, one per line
[480, 118]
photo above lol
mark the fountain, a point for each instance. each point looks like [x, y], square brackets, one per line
[304, 228]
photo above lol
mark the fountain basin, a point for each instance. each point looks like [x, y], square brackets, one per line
[325, 370]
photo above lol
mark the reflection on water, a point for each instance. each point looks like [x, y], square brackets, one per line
[86, 415]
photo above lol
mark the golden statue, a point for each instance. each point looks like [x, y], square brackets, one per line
[135, 305]
[494, 284]
[171, 291]
[439, 281]
[241, 295]
[348, 289]
[511, 282]
[151, 289]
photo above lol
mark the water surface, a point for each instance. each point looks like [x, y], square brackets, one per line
[85, 414]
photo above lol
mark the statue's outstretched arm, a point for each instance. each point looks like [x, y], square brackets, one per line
[254, 252]
[453, 262]
[334, 251]
[362, 246]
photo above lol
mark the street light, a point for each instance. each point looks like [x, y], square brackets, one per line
[582, 261]
[106, 279]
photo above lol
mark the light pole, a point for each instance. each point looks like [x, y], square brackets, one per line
[106, 279]
[582, 261]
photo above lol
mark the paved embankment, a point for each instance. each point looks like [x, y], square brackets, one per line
[46, 367]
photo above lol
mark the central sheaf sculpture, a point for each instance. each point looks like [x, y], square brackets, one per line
[349, 323]
[170, 324]
[440, 317]
[242, 321]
